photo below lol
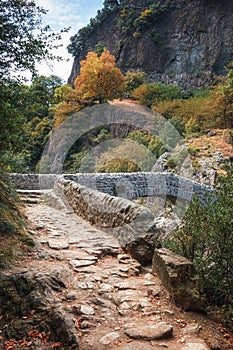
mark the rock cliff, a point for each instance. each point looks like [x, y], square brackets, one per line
[174, 41]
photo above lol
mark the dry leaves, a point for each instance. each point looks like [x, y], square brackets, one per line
[227, 335]
[32, 336]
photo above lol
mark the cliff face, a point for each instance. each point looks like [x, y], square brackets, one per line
[184, 42]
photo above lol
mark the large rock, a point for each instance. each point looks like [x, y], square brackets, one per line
[179, 277]
[150, 332]
[142, 247]
[34, 292]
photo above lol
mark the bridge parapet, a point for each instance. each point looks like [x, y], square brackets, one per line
[143, 184]
[123, 185]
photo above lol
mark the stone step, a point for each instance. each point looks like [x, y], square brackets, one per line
[32, 193]
[29, 200]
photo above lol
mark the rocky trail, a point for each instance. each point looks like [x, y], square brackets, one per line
[78, 290]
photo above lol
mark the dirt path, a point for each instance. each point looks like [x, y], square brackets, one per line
[113, 302]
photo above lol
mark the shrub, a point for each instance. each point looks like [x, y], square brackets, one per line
[206, 238]
[194, 151]
[133, 80]
[119, 166]
[149, 94]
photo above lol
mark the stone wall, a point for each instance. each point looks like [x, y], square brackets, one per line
[101, 209]
[123, 185]
[33, 181]
[143, 184]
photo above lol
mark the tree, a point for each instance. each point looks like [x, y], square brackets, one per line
[133, 80]
[206, 238]
[224, 99]
[99, 78]
[149, 94]
[111, 4]
[67, 104]
[24, 40]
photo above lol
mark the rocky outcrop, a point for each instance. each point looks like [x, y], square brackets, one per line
[185, 42]
[179, 277]
[32, 292]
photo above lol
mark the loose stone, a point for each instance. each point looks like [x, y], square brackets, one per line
[105, 288]
[87, 310]
[161, 330]
[126, 285]
[80, 263]
[109, 338]
[58, 244]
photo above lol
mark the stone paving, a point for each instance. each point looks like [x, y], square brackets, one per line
[114, 302]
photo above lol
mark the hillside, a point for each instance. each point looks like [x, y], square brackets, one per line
[173, 41]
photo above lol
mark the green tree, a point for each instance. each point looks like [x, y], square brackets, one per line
[133, 80]
[206, 238]
[150, 94]
[224, 99]
[24, 41]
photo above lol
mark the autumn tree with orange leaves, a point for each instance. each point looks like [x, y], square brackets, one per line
[99, 80]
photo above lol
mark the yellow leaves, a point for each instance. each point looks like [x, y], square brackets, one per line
[99, 78]
[127, 152]
[145, 13]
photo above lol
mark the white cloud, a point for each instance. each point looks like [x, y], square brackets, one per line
[63, 14]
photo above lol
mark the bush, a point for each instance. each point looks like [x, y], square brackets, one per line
[16, 163]
[206, 238]
[133, 80]
[119, 166]
[149, 94]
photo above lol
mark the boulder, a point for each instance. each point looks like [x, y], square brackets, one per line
[179, 278]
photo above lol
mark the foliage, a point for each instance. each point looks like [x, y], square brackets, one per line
[11, 115]
[138, 151]
[99, 78]
[133, 80]
[119, 166]
[150, 94]
[24, 40]
[149, 16]
[152, 143]
[198, 110]
[195, 113]
[28, 113]
[72, 165]
[67, 104]
[16, 162]
[99, 48]
[224, 99]
[206, 238]
[10, 217]
[13, 239]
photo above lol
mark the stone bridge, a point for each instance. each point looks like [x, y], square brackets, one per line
[105, 201]
[123, 185]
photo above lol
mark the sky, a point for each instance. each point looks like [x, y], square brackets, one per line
[63, 14]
